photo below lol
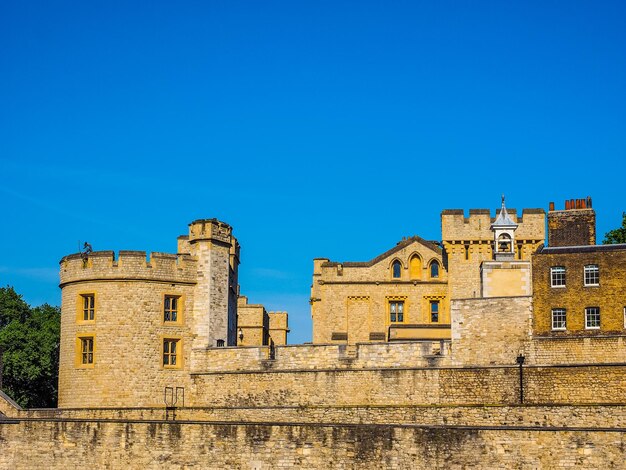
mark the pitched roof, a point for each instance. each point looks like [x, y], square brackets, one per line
[402, 244]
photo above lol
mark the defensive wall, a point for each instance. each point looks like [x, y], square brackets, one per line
[62, 444]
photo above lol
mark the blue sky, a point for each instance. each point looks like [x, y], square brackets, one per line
[316, 129]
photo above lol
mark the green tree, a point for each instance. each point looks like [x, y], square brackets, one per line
[617, 235]
[29, 339]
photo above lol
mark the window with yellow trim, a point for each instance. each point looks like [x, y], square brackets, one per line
[170, 308]
[88, 302]
[434, 311]
[85, 350]
[171, 352]
[396, 311]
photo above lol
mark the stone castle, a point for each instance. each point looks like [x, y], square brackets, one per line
[492, 348]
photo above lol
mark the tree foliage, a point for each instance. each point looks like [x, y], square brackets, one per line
[617, 235]
[29, 339]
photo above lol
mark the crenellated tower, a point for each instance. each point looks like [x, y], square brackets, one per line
[216, 250]
[470, 241]
[129, 323]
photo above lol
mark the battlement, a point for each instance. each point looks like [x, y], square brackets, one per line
[455, 226]
[210, 229]
[129, 265]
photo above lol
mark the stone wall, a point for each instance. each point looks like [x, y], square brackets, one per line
[321, 356]
[128, 332]
[66, 444]
[490, 331]
[571, 416]
[585, 384]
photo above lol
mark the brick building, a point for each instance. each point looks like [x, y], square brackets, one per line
[579, 288]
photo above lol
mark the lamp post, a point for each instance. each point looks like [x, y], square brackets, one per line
[520, 361]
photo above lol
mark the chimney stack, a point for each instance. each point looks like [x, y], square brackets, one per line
[574, 226]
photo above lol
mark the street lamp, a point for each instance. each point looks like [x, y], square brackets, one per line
[520, 361]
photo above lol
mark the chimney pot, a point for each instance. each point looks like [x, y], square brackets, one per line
[551, 206]
[566, 205]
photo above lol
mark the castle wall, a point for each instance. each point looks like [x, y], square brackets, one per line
[490, 330]
[125, 444]
[320, 356]
[572, 416]
[584, 384]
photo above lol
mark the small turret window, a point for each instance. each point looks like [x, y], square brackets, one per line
[396, 269]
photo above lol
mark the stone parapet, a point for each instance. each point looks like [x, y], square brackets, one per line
[129, 265]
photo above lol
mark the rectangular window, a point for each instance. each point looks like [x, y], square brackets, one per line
[170, 352]
[89, 307]
[170, 308]
[86, 350]
[434, 311]
[557, 276]
[592, 318]
[396, 311]
[592, 275]
[625, 317]
[559, 319]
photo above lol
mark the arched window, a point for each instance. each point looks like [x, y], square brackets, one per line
[415, 267]
[396, 269]
[434, 269]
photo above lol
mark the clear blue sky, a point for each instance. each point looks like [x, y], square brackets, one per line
[317, 129]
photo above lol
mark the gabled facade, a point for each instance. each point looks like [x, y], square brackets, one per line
[399, 295]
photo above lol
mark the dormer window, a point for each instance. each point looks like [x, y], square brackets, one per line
[396, 269]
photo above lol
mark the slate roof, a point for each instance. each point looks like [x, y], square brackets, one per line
[581, 249]
[402, 244]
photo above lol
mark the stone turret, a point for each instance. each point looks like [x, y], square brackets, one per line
[212, 243]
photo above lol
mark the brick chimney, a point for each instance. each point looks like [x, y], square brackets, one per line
[574, 226]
